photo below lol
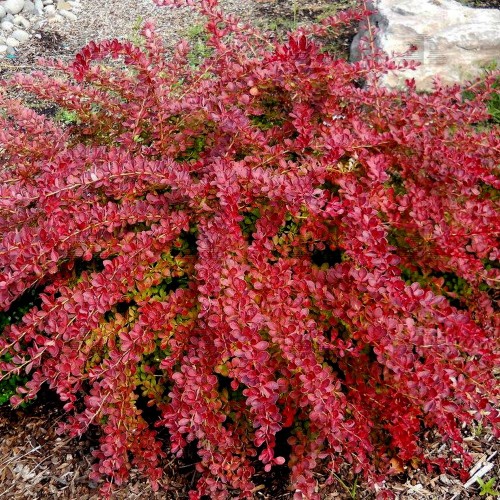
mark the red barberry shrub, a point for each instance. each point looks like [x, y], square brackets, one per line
[253, 246]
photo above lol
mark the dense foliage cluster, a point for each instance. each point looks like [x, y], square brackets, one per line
[262, 246]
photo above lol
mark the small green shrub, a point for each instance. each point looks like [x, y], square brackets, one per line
[66, 117]
[198, 37]
[493, 103]
[9, 385]
[488, 487]
[11, 381]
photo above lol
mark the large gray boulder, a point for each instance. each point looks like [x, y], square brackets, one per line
[452, 41]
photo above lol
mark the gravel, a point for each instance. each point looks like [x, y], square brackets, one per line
[60, 28]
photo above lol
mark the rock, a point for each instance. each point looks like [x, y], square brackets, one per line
[21, 21]
[13, 42]
[50, 10]
[68, 15]
[48, 2]
[63, 5]
[38, 8]
[14, 6]
[3, 49]
[452, 41]
[20, 35]
[7, 26]
[55, 18]
[29, 7]
[2, 12]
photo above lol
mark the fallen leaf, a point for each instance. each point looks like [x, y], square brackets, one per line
[396, 465]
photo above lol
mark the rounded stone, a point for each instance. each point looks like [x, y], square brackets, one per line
[50, 10]
[29, 7]
[68, 15]
[13, 42]
[20, 35]
[14, 6]
[3, 12]
[3, 48]
[38, 7]
[7, 26]
[449, 40]
[21, 21]
[55, 18]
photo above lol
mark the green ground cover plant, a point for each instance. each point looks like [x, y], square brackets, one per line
[9, 382]
[260, 251]
[488, 488]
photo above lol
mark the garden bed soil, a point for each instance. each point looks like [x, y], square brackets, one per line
[37, 463]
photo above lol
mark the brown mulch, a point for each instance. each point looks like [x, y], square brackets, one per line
[121, 19]
[482, 4]
[36, 463]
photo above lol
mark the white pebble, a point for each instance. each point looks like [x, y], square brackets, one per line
[50, 10]
[22, 21]
[74, 6]
[14, 6]
[20, 35]
[29, 7]
[13, 42]
[38, 7]
[48, 2]
[56, 18]
[2, 12]
[7, 26]
[68, 15]
[3, 49]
